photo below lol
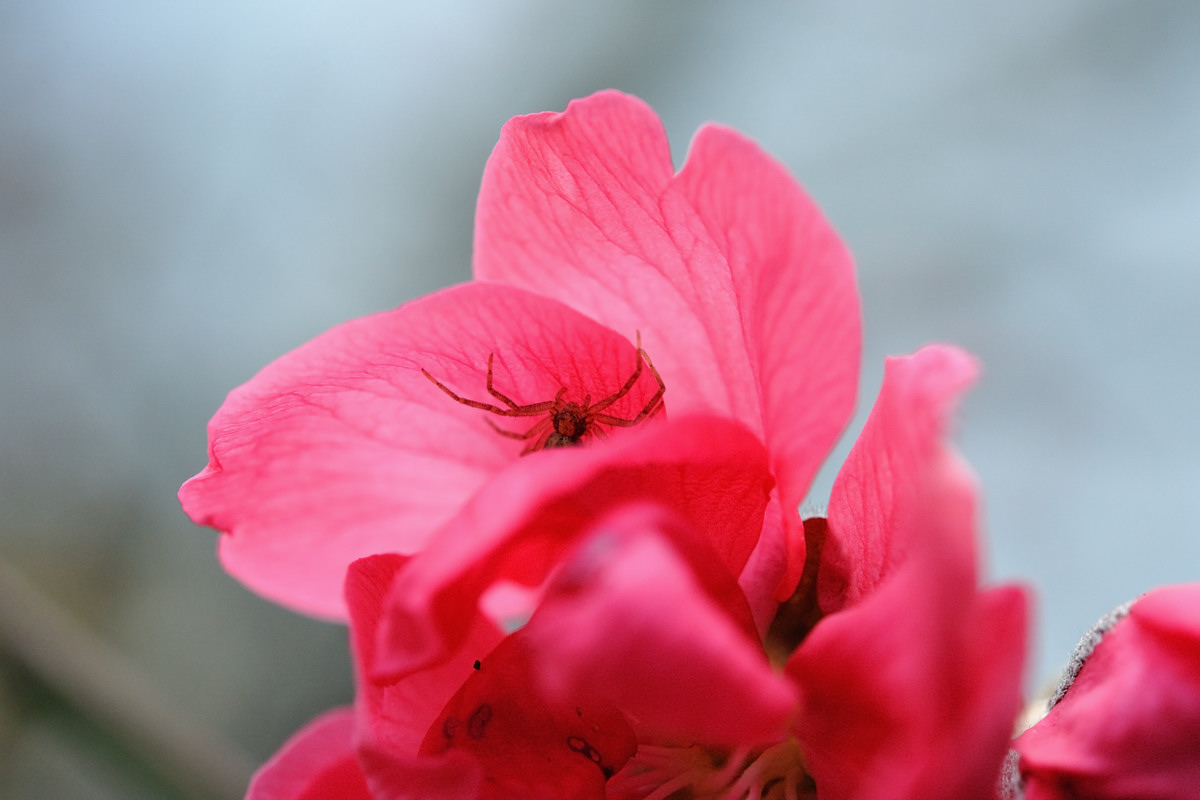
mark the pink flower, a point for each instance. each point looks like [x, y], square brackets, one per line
[624, 558]
[1127, 721]
[318, 762]
[743, 296]
[640, 672]
[913, 678]
[609, 621]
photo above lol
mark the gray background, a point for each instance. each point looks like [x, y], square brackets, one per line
[189, 190]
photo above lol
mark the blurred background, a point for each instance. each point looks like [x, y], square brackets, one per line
[189, 190]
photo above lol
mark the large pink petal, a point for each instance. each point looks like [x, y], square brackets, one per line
[744, 295]
[1129, 724]
[627, 622]
[878, 493]
[911, 691]
[903, 703]
[709, 471]
[797, 306]
[318, 763]
[395, 715]
[571, 206]
[343, 448]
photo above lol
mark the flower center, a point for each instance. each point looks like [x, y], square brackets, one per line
[800, 613]
[698, 773]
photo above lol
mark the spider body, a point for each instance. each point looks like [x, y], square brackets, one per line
[570, 424]
[564, 423]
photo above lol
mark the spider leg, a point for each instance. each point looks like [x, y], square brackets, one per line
[517, 410]
[513, 411]
[493, 391]
[540, 442]
[616, 422]
[624, 390]
[466, 402]
[536, 430]
[652, 405]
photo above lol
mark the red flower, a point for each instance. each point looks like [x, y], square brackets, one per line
[640, 672]
[913, 678]
[606, 621]
[318, 762]
[1127, 721]
[743, 295]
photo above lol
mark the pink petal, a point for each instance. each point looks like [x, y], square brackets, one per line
[743, 293]
[1129, 724]
[395, 715]
[907, 700]
[709, 471]
[452, 776]
[344, 448]
[769, 569]
[879, 490]
[525, 744]
[797, 305]
[317, 763]
[911, 691]
[572, 206]
[629, 623]
[528, 743]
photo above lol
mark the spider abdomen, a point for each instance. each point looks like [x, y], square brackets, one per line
[560, 440]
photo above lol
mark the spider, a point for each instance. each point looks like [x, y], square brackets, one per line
[566, 421]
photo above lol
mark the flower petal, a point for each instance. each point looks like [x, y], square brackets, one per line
[1129, 723]
[345, 448]
[742, 291]
[709, 471]
[797, 307]
[452, 776]
[628, 622]
[571, 206]
[768, 571]
[911, 690]
[395, 715]
[317, 763]
[564, 194]
[903, 702]
[526, 744]
[878, 492]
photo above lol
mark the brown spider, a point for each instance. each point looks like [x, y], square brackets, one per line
[566, 422]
